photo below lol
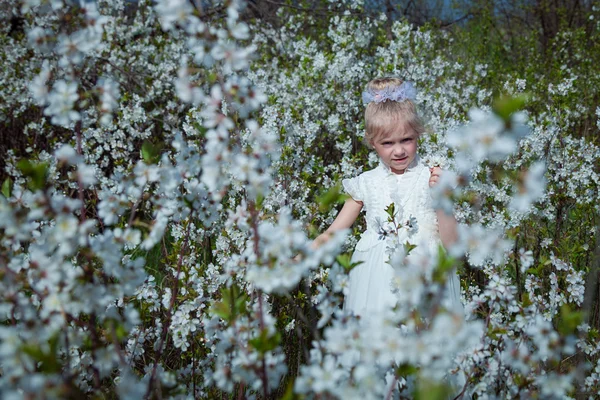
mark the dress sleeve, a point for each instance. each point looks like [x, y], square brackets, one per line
[353, 188]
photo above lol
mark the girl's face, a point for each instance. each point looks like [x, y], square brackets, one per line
[397, 149]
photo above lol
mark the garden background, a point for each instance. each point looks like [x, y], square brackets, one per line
[165, 165]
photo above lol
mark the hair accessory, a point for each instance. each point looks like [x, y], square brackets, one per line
[406, 91]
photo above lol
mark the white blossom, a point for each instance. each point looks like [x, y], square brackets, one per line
[61, 101]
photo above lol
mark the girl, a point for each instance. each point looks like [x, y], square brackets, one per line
[392, 130]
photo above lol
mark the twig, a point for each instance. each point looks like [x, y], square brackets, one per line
[456, 21]
[193, 368]
[517, 269]
[134, 209]
[487, 325]
[137, 337]
[115, 341]
[464, 389]
[95, 345]
[167, 322]
[391, 391]
[313, 10]
[254, 216]
[79, 182]
[591, 288]
[264, 377]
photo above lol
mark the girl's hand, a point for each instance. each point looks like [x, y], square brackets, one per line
[435, 176]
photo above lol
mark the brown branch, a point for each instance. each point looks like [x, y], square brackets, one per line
[79, 182]
[313, 10]
[264, 377]
[256, 239]
[96, 344]
[167, 322]
[456, 21]
[391, 391]
[591, 289]
[134, 209]
[517, 269]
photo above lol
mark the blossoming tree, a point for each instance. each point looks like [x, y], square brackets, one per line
[169, 171]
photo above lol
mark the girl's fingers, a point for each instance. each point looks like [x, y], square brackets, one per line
[433, 180]
[435, 171]
[435, 174]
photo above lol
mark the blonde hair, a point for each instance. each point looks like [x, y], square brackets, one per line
[381, 118]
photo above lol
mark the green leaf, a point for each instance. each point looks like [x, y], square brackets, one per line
[33, 350]
[496, 333]
[391, 212]
[150, 152]
[289, 392]
[405, 370]
[7, 187]
[260, 198]
[330, 197]
[547, 261]
[408, 247]
[264, 342]
[345, 260]
[526, 301]
[431, 390]
[569, 320]
[48, 362]
[445, 264]
[121, 331]
[539, 269]
[233, 303]
[505, 106]
[35, 172]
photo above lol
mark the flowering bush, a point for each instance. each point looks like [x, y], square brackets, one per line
[158, 201]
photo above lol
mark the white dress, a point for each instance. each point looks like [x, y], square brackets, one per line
[370, 282]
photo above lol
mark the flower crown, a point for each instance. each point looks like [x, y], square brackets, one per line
[406, 91]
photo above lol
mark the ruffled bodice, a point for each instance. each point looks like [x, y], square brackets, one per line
[410, 193]
[370, 283]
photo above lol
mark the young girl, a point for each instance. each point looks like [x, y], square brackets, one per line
[392, 130]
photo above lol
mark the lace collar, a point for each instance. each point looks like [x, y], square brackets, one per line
[412, 167]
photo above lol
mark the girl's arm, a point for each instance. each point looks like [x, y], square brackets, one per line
[447, 226]
[446, 222]
[344, 220]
